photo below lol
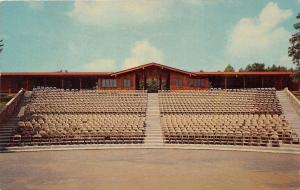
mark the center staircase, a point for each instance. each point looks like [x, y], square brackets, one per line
[153, 130]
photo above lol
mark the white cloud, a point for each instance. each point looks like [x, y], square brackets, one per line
[143, 52]
[109, 12]
[208, 2]
[260, 39]
[35, 4]
[100, 65]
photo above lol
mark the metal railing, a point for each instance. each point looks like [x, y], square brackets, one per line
[10, 106]
[295, 101]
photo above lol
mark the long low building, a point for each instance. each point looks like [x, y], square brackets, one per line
[151, 76]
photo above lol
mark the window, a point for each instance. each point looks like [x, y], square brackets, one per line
[178, 82]
[127, 83]
[197, 82]
[109, 83]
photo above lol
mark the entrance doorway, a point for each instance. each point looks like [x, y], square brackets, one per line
[152, 80]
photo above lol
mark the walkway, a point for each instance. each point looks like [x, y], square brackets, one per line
[153, 130]
[289, 111]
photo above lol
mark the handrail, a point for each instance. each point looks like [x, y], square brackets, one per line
[295, 101]
[10, 106]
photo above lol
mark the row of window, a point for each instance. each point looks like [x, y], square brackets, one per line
[127, 82]
[113, 83]
[193, 82]
[197, 82]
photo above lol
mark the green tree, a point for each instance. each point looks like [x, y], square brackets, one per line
[255, 67]
[1, 45]
[276, 68]
[229, 68]
[294, 49]
[152, 85]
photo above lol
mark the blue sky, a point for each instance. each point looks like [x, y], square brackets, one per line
[112, 35]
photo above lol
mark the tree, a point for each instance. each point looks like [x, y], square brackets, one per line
[255, 67]
[276, 68]
[1, 45]
[229, 68]
[294, 49]
[152, 85]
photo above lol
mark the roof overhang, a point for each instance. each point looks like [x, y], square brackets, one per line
[55, 74]
[243, 73]
[151, 65]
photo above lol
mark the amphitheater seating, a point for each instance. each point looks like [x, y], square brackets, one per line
[256, 101]
[51, 100]
[250, 117]
[235, 117]
[56, 116]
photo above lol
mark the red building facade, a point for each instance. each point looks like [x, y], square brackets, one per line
[144, 77]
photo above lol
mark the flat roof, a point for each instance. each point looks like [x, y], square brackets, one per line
[95, 74]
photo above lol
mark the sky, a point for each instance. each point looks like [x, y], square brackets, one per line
[105, 35]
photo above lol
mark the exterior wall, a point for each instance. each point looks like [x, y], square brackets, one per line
[250, 81]
[166, 77]
[14, 84]
[294, 86]
[9, 84]
[120, 82]
[186, 80]
[178, 76]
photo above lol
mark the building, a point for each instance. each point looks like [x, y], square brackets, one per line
[151, 76]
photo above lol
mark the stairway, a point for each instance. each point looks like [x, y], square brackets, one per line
[153, 130]
[6, 130]
[7, 127]
[289, 111]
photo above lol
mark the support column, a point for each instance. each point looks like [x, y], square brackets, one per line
[44, 82]
[62, 83]
[27, 84]
[134, 87]
[244, 80]
[160, 81]
[99, 84]
[80, 84]
[225, 82]
[9, 87]
[262, 82]
[144, 80]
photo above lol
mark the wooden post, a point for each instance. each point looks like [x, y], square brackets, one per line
[134, 87]
[225, 82]
[99, 84]
[80, 84]
[44, 82]
[144, 80]
[244, 80]
[160, 81]
[27, 84]
[62, 83]
[9, 87]
[262, 81]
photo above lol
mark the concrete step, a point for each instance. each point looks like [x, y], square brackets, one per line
[153, 128]
[5, 132]
[289, 111]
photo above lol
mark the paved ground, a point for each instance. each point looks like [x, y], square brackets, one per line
[148, 169]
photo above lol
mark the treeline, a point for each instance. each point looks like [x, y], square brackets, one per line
[260, 67]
